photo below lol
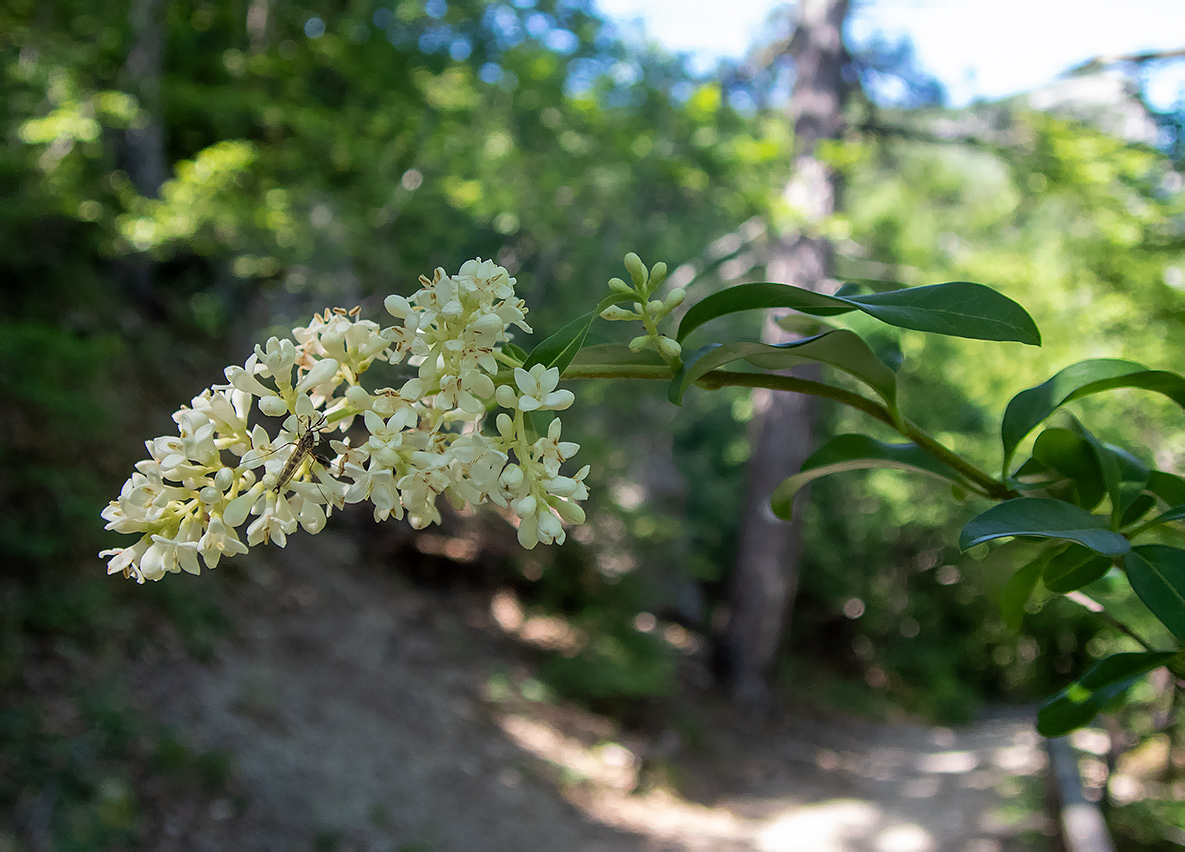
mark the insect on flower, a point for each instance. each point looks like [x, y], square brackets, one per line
[305, 447]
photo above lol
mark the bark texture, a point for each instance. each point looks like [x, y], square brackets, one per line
[765, 575]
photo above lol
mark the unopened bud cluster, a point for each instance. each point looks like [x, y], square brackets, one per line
[646, 309]
[189, 500]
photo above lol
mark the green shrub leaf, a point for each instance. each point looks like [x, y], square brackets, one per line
[856, 452]
[559, 349]
[1030, 407]
[1157, 575]
[957, 308]
[1078, 703]
[842, 349]
[1068, 453]
[1044, 518]
[1020, 586]
[1072, 568]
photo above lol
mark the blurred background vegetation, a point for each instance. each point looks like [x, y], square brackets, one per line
[182, 179]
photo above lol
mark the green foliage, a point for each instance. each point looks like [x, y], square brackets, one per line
[1157, 575]
[855, 452]
[89, 771]
[1030, 408]
[1045, 518]
[958, 308]
[842, 349]
[1078, 704]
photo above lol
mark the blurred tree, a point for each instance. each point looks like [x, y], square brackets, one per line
[767, 561]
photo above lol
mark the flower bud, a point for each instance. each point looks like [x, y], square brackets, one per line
[619, 286]
[669, 348]
[357, 397]
[512, 477]
[273, 406]
[675, 298]
[210, 495]
[224, 478]
[639, 343]
[505, 396]
[617, 313]
[658, 274]
[525, 506]
[571, 512]
[637, 271]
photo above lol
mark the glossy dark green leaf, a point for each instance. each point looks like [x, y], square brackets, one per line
[842, 349]
[1030, 407]
[758, 296]
[1020, 586]
[1123, 474]
[559, 349]
[857, 452]
[1157, 575]
[1069, 453]
[1081, 701]
[958, 308]
[1072, 568]
[1167, 486]
[1044, 518]
[1140, 506]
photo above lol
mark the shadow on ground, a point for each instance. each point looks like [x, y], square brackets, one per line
[360, 714]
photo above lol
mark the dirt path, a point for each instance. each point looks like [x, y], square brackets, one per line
[361, 714]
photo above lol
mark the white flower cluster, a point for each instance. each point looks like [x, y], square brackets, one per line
[189, 499]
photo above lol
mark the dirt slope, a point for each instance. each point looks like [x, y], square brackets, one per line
[360, 715]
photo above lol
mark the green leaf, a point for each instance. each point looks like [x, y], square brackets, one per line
[1167, 486]
[515, 352]
[857, 452]
[1072, 568]
[758, 296]
[1044, 518]
[1176, 513]
[958, 308]
[559, 349]
[1157, 575]
[1067, 452]
[1028, 408]
[1081, 701]
[843, 349]
[1140, 506]
[1020, 586]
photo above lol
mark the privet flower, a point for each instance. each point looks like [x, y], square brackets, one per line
[225, 483]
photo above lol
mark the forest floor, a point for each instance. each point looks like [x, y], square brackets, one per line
[360, 712]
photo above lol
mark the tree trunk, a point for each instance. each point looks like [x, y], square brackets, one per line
[144, 141]
[765, 575]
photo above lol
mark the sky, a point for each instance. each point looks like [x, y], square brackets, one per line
[977, 48]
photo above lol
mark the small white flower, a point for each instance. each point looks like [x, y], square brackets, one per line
[219, 540]
[538, 389]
